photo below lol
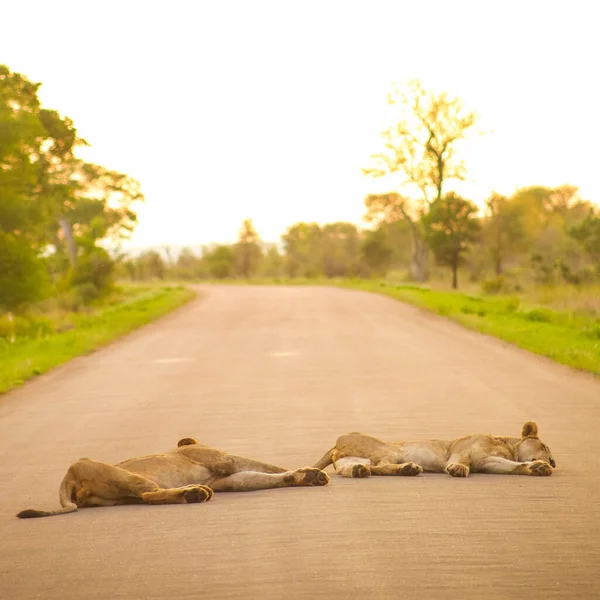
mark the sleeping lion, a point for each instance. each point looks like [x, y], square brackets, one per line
[188, 474]
[360, 455]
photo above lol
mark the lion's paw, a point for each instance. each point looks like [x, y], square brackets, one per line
[197, 493]
[540, 468]
[310, 476]
[360, 471]
[410, 469]
[457, 470]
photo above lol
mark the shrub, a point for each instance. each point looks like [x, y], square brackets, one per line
[92, 276]
[23, 277]
[511, 304]
[34, 327]
[494, 285]
[539, 315]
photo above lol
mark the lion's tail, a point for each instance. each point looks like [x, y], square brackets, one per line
[65, 493]
[326, 460]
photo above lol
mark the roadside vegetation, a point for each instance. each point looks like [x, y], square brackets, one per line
[59, 216]
[32, 344]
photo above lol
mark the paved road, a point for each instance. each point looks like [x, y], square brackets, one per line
[277, 374]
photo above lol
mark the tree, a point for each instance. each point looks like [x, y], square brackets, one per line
[421, 148]
[587, 233]
[391, 208]
[451, 227]
[23, 277]
[51, 202]
[546, 214]
[377, 251]
[151, 265]
[219, 262]
[247, 250]
[21, 134]
[272, 265]
[85, 202]
[303, 250]
[340, 250]
[91, 276]
[57, 183]
[565, 202]
[189, 265]
[504, 228]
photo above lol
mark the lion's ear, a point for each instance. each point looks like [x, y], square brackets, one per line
[530, 429]
[186, 442]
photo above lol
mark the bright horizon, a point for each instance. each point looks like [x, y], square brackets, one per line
[269, 110]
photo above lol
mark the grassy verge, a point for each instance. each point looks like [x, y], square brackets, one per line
[26, 357]
[561, 323]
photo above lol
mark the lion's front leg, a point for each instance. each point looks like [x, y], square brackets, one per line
[353, 466]
[248, 481]
[502, 466]
[407, 469]
[189, 494]
[459, 465]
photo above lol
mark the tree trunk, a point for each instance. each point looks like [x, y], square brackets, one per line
[70, 241]
[455, 273]
[419, 261]
[498, 253]
[498, 265]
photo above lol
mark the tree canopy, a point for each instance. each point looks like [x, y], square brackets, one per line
[55, 209]
[420, 154]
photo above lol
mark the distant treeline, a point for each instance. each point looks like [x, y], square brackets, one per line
[541, 235]
[546, 235]
[58, 213]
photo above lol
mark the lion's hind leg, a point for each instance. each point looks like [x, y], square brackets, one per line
[243, 464]
[407, 469]
[108, 485]
[248, 481]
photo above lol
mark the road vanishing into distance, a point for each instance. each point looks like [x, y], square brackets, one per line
[277, 373]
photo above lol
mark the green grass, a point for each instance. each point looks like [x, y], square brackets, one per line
[26, 357]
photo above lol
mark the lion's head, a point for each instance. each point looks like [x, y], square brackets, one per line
[531, 447]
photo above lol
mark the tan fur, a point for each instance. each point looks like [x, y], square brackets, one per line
[360, 455]
[188, 474]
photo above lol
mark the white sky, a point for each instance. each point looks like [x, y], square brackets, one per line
[268, 109]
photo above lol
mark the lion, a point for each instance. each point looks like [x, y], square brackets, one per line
[188, 474]
[360, 455]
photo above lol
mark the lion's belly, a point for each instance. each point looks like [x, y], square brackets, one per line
[169, 471]
[427, 455]
[499, 451]
[481, 446]
[491, 446]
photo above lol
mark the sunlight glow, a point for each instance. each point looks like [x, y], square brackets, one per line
[269, 109]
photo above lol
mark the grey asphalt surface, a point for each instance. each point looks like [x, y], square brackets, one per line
[277, 374]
